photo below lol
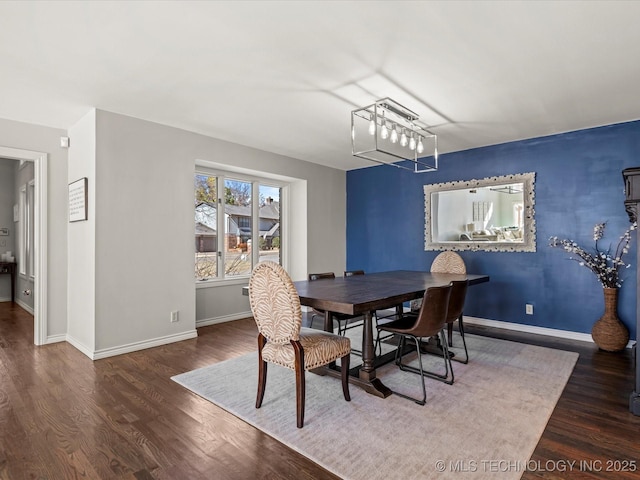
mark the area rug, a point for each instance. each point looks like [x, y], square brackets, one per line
[488, 422]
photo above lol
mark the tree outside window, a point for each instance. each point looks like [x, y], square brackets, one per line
[232, 253]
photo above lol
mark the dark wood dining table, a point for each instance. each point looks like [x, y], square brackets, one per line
[363, 295]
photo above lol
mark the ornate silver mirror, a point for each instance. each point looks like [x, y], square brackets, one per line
[493, 214]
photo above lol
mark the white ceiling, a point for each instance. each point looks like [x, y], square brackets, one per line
[284, 76]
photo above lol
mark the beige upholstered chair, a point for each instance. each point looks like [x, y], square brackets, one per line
[282, 340]
[448, 262]
[429, 322]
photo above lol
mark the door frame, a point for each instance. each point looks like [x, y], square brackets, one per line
[40, 161]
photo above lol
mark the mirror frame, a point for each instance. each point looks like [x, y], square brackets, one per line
[529, 230]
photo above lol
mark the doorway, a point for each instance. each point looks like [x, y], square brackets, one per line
[39, 160]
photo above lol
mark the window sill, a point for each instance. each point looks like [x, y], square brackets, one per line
[244, 280]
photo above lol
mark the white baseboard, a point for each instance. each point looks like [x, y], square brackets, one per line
[134, 347]
[80, 346]
[24, 306]
[131, 347]
[225, 318]
[56, 338]
[519, 327]
[5, 299]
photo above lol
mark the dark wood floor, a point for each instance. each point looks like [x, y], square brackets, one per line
[63, 416]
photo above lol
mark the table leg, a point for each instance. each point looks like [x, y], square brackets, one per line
[367, 346]
[434, 347]
[328, 321]
[367, 373]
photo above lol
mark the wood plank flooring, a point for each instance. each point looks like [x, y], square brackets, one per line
[63, 416]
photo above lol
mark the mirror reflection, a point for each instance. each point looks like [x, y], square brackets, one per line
[491, 214]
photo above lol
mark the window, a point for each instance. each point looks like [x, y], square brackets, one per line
[238, 237]
[237, 224]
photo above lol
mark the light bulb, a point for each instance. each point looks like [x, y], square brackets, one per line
[384, 131]
[412, 142]
[420, 147]
[353, 132]
[403, 139]
[372, 126]
[394, 135]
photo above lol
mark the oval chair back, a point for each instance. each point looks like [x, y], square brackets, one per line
[448, 262]
[445, 262]
[275, 303]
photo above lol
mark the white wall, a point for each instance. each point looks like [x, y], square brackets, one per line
[113, 279]
[37, 138]
[144, 228]
[81, 244]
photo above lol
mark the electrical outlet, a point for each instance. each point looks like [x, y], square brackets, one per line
[529, 309]
[174, 316]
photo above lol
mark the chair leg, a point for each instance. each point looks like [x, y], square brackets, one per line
[262, 382]
[446, 377]
[300, 385]
[344, 366]
[262, 372]
[343, 326]
[377, 347]
[450, 333]
[408, 368]
[447, 360]
[399, 351]
[424, 389]
[464, 342]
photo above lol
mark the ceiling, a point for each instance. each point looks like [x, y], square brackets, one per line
[284, 76]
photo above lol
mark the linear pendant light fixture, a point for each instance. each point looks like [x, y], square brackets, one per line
[388, 133]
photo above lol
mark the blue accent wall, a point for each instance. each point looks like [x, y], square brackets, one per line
[578, 184]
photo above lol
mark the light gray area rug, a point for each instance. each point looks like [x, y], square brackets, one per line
[488, 422]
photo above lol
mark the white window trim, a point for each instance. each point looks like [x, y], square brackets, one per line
[256, 180]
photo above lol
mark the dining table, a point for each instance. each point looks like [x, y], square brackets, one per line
[363, 295]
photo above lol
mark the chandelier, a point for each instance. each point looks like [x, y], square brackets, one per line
[388, 133]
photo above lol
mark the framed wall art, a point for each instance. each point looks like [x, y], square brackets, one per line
[78, 200]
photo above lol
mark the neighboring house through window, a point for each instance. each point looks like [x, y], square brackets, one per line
[247, 212]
